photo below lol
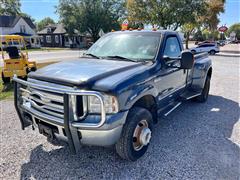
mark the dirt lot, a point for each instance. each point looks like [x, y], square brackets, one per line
[197, 141]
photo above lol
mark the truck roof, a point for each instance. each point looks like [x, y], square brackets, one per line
[146, 31]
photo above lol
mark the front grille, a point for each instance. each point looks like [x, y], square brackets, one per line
[52, 103]
[45, 102]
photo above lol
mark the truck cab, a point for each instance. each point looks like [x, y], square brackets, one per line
[115, 93]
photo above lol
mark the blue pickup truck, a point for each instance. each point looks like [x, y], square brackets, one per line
[115, 93]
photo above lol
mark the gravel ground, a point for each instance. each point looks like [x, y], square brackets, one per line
[197, 141]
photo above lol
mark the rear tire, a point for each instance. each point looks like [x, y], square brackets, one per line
[5, 79]
[205, 92]
[193, 51]
[137, 128]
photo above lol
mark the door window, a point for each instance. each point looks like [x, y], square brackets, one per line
[172, 48]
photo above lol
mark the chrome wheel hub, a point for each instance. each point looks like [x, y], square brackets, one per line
[145, 136]
[142, 135]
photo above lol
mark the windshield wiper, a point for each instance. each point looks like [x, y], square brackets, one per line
[121, 57]
[90, 54]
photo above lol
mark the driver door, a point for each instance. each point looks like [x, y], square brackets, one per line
[173, 80]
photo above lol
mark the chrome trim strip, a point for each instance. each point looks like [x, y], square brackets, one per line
[74, 107]
[85, 107]
[41, 108]
[50, 105]
[178, 104]
[195, 95]
[41, 116]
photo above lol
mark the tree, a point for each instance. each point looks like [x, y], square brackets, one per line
[210, 18]
[235, 28]
[188, 29]
[44, 22]
[10, 7]
[90, 15]
[166, 14]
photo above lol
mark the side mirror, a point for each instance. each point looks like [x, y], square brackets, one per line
[187, 60]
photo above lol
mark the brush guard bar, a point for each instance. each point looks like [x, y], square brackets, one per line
[67, 93]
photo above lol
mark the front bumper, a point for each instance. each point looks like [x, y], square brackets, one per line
[99, 130]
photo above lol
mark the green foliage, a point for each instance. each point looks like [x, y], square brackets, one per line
[10, 7]
[210, 19]
[188, 29]
[44, 22]
[236, 29]
[90, 15]
[211, 35]
[167, 14]
[198, 36]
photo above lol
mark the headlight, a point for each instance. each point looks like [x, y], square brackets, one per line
[110, 103]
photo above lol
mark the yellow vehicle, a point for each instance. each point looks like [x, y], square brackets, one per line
[17, 61]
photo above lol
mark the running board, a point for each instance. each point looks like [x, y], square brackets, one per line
[169, 109]
[173, 108]
[189, 95]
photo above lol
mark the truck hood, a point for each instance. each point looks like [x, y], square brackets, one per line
[86, 73]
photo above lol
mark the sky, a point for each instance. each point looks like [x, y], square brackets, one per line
[40, 9]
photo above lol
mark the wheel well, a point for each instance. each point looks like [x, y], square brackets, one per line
[209, 74]
[149, 103]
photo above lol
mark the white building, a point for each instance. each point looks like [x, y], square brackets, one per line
[20, 26]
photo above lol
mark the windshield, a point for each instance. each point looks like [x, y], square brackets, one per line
[138, 47]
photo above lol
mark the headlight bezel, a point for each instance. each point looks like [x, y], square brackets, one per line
[111, 104]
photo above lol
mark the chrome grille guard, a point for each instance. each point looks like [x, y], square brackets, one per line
[65, 93]
[68, 126]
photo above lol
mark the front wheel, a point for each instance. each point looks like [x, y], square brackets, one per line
[136, 134]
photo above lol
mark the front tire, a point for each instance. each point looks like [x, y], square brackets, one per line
[205, 92]
[136, 134]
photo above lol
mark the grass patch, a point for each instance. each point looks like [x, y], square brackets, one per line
[6, 91]
[46, 49]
